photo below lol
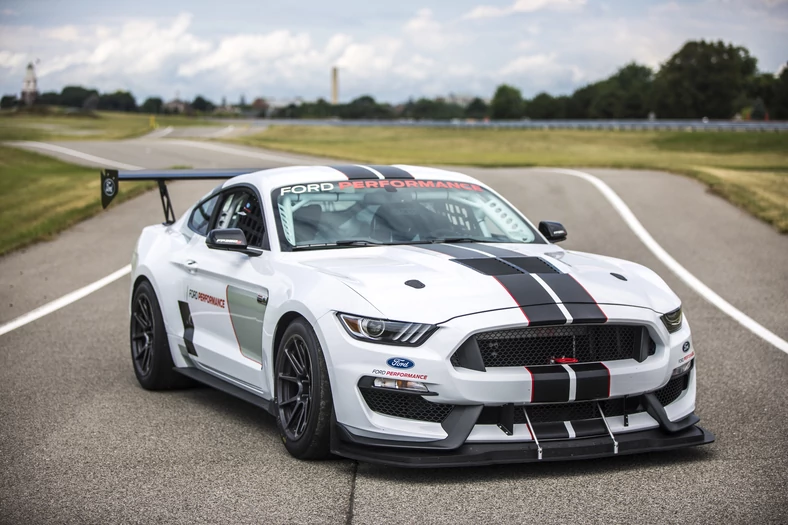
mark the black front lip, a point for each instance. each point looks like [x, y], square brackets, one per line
[345, 444]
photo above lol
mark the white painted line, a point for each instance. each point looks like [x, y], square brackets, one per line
[105, 163]
[224, 131]
[689, 279]
[234, 151]
[159, 133]
[66, 300]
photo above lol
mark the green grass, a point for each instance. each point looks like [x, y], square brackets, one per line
[748, 169]
[40, 196]
[60, 125]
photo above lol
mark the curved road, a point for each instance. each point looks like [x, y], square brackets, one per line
[81, 442]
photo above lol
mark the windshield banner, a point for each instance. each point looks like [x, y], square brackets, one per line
[394, 183]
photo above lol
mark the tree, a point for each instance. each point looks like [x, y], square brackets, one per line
[50, 98]
[632, 83]
[579, 104]
[75, 96]
[544, 106]
[507, 103]
[779, 108]
[117, 101]
[8, 101]
[476, 109]
[152, 105]
[703, 79]
[202, 104]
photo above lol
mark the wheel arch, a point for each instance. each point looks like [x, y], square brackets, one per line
[281, 326]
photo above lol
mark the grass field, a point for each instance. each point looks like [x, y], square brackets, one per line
[748, 169]
[40, 196]
[58, 125]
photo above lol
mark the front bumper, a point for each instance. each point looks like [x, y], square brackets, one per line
[473, 417]
[477, 454]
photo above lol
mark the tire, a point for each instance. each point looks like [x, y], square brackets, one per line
[303, 393]
[150, 350]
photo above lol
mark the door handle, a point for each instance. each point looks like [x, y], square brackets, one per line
[191, 265]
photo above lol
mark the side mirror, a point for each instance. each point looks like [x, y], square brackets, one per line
[553, 231]
[231, 240]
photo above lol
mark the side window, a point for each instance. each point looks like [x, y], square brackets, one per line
[241, 209]
[200, 220]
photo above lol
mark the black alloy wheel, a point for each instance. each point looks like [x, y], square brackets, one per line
[150, 349]
[295, 387]
[303, 393]
[142, 334]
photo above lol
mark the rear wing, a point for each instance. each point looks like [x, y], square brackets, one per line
[110, 180]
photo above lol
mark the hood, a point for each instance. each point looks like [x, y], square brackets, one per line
[424, 283]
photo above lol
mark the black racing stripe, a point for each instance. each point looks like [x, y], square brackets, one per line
[494, 250]
[188, 327]
[593, 381]
[543, 315]
[355, 172]
[531, 264]
[551, 430]
[391, 172]
[489, 266]
[451, 249]
[589, 427]
[550, 383]
[582, 307]
[533, 299]
[586, 313]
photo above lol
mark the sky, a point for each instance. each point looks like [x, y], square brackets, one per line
[392, 51]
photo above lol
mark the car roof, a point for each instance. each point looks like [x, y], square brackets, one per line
[270, 179]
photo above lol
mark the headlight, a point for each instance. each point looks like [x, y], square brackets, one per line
[386, 332]
[673, 320]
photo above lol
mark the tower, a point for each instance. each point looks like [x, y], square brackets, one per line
[29, 86]
[335, 85]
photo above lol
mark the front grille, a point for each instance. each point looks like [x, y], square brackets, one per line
[408, 406]
[671, 392]
[538, 345]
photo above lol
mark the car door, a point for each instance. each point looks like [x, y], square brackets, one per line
[226, 294]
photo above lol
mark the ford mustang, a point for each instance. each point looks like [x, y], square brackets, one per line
[408, 316]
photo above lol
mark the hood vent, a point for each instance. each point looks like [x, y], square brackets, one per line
[415, 283]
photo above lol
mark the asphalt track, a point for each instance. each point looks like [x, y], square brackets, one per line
[81, 442]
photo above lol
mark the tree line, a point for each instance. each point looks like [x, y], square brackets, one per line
[703, 79]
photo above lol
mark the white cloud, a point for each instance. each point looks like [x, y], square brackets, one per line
[423, 31]
[9, 12]
[522, 6]
[11, 60]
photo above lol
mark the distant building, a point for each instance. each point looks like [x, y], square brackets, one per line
[176, 105]
[29, 86]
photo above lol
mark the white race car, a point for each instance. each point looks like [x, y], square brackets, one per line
[408, 316]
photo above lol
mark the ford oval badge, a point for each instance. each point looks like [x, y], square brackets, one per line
[400, 362]
[686, 347]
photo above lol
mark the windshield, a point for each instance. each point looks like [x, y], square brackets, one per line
[358, 213]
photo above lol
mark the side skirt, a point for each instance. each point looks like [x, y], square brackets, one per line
[214, 382]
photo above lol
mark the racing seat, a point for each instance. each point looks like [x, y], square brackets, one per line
[305, 222]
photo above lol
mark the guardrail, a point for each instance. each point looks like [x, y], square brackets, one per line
[608, 125]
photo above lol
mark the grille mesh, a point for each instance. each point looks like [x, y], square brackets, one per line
[537, 345]
[407, 406]
[671, 392]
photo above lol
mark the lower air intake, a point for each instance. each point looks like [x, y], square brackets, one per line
[408, 406]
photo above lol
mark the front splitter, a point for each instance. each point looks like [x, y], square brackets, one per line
[479, 454]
